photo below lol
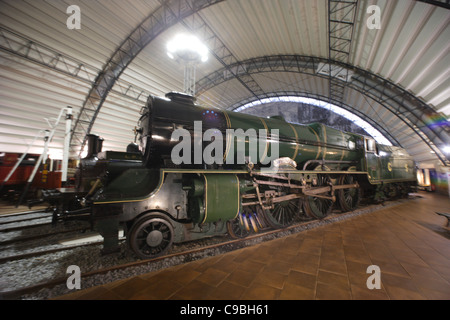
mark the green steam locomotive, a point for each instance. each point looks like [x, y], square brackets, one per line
[200, 172]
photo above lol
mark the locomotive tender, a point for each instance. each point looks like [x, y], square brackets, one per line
[158, 202]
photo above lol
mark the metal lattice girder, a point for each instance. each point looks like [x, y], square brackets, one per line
[341, 21]
[440, 3]
[415, 113]
[167, 15]
[316, 96]
[285, 63]
[23, 47]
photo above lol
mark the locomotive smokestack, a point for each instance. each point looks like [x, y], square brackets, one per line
[99, 145]
[94, 145]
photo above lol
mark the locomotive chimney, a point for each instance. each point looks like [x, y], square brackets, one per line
[99, 145]
[94, 143]
[181, 97]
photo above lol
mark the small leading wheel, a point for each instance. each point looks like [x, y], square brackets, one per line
[239, 227]
[284, 213]
[316, 207]
[348, 198]
[236, 228]
[151, 237]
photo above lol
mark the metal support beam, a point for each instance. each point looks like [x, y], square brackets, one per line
[25, 48]
[67, 133]
[189, 79]
[341, 21]
[440, 3]
[356, 111]
[284, 63]
[21, 46]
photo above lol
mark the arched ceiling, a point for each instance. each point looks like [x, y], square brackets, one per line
[259, 48]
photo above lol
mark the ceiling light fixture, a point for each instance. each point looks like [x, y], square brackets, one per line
[188, 48]
[188, 51]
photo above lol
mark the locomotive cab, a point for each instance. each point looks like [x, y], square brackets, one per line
[387, 163]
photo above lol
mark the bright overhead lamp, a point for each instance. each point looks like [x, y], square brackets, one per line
[188, 48]
[189, 51]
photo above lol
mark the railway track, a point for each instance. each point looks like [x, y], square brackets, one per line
[30, 229]
[45, 251]
[34, 239]
[24, 238]
[30, 234]
[122, 265]
[17, 221]
[30, 215]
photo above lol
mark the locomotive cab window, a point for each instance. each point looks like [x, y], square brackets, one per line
[371, 145]
[351, 145]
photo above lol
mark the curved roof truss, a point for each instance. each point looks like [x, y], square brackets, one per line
[283, 95]
[440, 3]
[415, 113]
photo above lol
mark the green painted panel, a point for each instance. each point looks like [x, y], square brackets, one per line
[131, 185]
[234, 143]
[222, 197]
[391, 163]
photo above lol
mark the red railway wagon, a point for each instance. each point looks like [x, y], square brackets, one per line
[44, 179]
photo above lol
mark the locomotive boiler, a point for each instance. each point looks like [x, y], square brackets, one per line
[200, 172]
